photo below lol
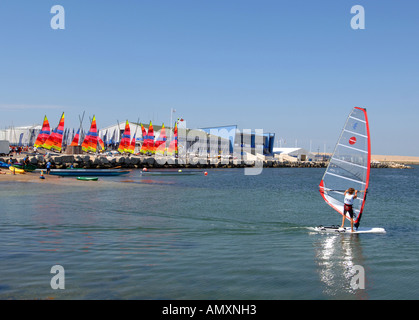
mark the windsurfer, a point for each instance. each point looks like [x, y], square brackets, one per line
[350, 195]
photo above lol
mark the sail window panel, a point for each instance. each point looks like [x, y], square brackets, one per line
[347, 170]
[352, 149]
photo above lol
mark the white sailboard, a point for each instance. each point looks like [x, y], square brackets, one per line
[349, 167]
[337, 229]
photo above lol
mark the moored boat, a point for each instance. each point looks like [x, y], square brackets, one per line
[86, 172]
[4, 164]
[87, 178]
[26, 167]
[16, 170]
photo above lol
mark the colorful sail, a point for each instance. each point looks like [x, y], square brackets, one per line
[55, 140]
[148, 140]
[91, 139]
[143, 149]
[131, 147]
[150, 135]
[101, 144]
[160, 144]
[125, 139]
[76, 139]
[349, 166]
[43, 134]
[173, 146]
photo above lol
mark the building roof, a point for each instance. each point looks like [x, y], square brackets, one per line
[293, 151]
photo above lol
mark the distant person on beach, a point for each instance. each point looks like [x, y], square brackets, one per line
[48, 167]
[350, 195]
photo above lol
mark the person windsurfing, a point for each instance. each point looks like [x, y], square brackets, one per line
[350, 195]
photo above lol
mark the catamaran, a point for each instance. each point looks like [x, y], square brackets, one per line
[160, 144]
[55, 139]
[43, 134]
[91, 139]
[125, 142]
[349, 167]
[148, 146]
[86, 172]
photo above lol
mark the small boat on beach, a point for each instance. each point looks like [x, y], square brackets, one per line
[4, 164]
[26, 167]
[16, 170]
[87, 178]
[86, 172]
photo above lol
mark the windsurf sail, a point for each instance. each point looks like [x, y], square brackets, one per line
[160, 144]
[43, 134]
[55, 140]
[125, 139]
[349, 166]
[91, 139]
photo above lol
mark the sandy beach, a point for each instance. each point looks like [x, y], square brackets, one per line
[7, 175]
[396, 159]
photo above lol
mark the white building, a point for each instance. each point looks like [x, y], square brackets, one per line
[22, 136]
[300, 154]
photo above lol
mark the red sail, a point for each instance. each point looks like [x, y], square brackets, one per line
[91, 139]
[160, 144]
[76, 138]
[43, 134]
[148, 140]
[55, 140]
[131, 147]
[125, 139]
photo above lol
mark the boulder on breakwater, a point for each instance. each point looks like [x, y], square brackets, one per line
[389, 164]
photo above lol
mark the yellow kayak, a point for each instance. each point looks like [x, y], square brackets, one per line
[16, 170]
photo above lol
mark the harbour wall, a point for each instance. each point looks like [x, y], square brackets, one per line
[140, 162]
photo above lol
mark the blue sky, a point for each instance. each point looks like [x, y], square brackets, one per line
[295, 68]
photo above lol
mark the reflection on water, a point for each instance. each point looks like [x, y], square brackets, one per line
[336, 257]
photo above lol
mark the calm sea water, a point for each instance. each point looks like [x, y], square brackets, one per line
[221, 236]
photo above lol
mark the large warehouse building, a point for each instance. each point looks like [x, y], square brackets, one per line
[213, 141]
[20, 136]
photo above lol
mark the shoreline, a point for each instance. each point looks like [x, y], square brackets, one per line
[101, 161]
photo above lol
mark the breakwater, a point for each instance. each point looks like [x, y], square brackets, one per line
[139, 162]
